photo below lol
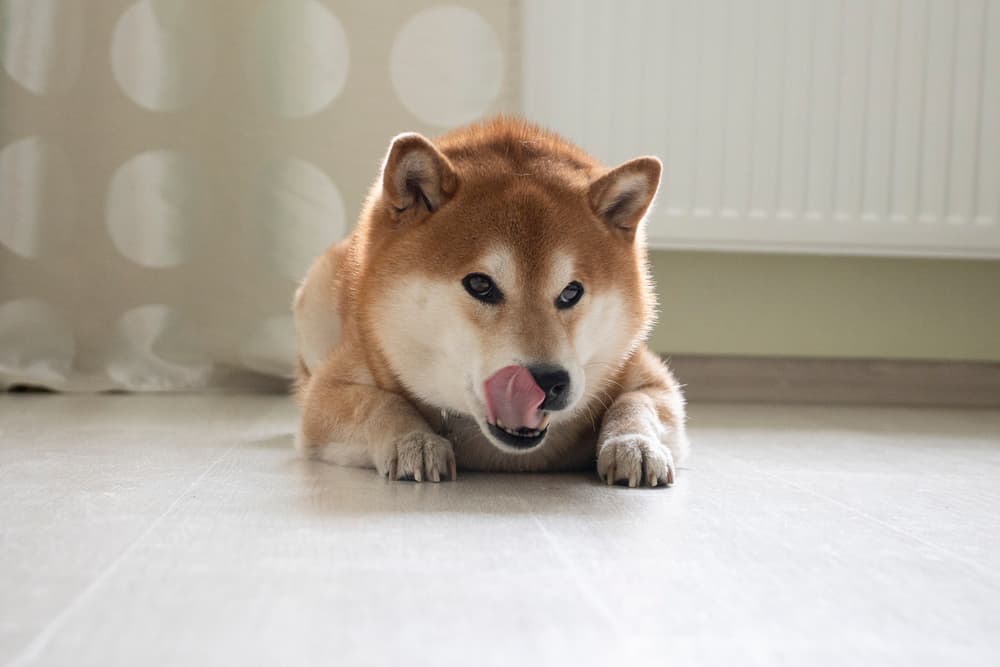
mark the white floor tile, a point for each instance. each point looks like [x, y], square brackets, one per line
[182, 530]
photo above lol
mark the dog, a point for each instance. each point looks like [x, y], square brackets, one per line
[489, 312]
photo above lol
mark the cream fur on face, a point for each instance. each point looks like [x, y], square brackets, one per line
[428, 342]
[442, 357]
[599, 341]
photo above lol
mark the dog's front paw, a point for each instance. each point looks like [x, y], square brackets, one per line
[418, 456]
[635, 459]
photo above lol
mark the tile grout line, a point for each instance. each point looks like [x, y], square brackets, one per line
[885, 524]
[594, 600]
[868, 517]
[41, 640]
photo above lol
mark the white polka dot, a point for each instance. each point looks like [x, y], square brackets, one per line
[270, 348]
[299, 212]
[162, 52]
[41, 43]
[153, 349]
[38, 195]
[36, 345]
[447, 65]
[156, 205]
[296, 57]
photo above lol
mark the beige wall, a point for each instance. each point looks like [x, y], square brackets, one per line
[791, 305]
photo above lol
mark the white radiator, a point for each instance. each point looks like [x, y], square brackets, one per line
[835, 126]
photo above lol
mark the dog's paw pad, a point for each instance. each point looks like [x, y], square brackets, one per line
[420, 456]
[635, 460]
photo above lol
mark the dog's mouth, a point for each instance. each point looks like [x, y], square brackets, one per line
[513, 408]
[521, 437]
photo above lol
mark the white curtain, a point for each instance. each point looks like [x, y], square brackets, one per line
[168, 168]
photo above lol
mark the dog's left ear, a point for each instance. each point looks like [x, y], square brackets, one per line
[621, 196]
[417, 178]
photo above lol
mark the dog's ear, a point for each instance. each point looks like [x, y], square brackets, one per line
[621, 196]
[416, 178]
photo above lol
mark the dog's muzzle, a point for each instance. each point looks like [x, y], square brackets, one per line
[519, 400]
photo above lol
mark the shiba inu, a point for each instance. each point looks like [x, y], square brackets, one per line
[489, 312]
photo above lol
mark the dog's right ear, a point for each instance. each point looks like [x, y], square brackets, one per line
[416, 178]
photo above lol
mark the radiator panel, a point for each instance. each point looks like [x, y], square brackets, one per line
[833, 126]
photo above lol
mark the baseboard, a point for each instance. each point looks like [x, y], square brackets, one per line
[866, 381]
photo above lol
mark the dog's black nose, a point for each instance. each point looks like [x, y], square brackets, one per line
[554, 381]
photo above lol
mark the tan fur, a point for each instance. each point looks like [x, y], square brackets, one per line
[509, 198]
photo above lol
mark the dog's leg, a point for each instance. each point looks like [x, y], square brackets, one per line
[642, 433]
[370, 427]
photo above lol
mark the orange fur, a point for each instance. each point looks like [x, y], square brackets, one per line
[509, 188]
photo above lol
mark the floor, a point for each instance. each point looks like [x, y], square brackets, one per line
[182, 530]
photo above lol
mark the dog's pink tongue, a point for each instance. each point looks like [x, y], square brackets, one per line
[512, 397]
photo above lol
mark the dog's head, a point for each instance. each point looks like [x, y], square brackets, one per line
[507, 275]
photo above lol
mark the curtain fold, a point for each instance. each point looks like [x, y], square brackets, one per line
[168, 169]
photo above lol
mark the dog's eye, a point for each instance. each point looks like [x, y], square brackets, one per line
[570, 295]
[482, 287]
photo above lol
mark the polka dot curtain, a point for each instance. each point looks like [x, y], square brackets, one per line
[168, 168]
